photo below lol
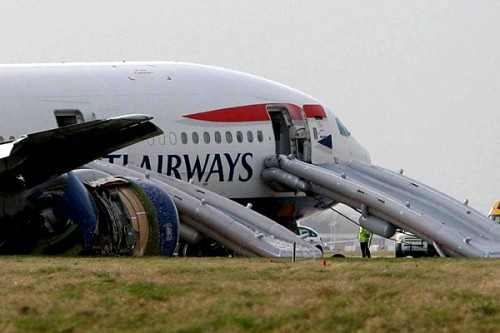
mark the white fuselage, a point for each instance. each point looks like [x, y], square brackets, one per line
[217, 123]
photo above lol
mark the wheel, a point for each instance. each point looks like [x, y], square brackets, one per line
[190, 250]
[204, 248]
[321, 249]
[399, 251]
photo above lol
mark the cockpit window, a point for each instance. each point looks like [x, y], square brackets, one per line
[343, 130]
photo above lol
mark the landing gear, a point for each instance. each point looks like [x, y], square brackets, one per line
[399, 252]
[204, 248]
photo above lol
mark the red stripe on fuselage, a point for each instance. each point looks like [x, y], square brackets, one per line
[256, 112]
[294, 111]
[314, 110]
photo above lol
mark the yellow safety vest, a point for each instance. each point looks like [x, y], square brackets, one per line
[364, 235]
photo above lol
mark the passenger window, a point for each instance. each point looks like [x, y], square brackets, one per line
[195, 138]
[218, 137]
[184, 137]
[260, 136]
[173, 138]
[161, 139]
[229, 137]
[315, 133]
[239, 136]
[250, 136]
[206, 137]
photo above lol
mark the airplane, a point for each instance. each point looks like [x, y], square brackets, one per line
[220, 134]
[218, 127]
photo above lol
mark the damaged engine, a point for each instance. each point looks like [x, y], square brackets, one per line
[91, 213]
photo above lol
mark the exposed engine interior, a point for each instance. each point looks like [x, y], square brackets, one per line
[101, 215]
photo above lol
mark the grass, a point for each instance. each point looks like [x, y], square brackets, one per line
[61, 294]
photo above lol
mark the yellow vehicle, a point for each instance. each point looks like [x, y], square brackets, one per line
[495, 212]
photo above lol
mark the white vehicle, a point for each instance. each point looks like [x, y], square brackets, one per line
[312, 237]
[407, 244]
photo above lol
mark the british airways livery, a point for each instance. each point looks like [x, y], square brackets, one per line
[158, 157]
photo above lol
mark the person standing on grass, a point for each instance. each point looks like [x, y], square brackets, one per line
[364, 239]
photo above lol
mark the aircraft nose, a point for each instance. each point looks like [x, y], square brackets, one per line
[365, 155]
[359, 152]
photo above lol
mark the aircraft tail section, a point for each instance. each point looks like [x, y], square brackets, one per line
[388, 200]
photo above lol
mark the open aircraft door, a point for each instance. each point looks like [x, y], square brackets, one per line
[291, 131]
[320, 131]
[304, 132]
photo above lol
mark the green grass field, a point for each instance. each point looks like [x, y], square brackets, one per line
[60, 294]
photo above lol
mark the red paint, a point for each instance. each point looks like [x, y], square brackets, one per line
[294, 111]
[314, 110]
[256, 112]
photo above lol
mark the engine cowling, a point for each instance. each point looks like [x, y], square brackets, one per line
[136, 218]
[93, 213]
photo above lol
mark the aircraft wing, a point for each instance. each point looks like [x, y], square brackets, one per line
[40, 156]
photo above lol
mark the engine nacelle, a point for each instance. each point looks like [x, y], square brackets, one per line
[377, 226]
[102, 215]
[167, 216]
[136, 217]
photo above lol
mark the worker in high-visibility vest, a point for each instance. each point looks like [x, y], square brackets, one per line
[364, 240]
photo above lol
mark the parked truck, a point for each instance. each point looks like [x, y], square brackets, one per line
[495, 212]
[409, 245]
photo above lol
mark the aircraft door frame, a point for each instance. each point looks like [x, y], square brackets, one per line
[291, 131]
[320, 126]
[65, 117]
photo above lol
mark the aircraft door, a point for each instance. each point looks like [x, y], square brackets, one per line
[281, 121]
[291, 131]
[320, 130]
[65, 117]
